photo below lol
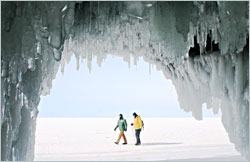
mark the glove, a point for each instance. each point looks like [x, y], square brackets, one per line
[115, 129]
[125, 130]
[132, 124]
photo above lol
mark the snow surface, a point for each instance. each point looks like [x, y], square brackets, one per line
[162, 139]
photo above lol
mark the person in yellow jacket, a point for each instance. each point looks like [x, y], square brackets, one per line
[137, 126]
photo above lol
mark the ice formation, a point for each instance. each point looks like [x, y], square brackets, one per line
[201, 46]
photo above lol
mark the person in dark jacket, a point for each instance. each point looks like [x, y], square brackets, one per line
[137, 126]
[122, 124]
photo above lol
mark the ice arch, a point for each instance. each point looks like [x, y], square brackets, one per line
[201, 46]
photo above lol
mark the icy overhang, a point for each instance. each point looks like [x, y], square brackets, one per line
[201, 46]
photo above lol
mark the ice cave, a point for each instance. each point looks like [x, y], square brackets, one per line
[202, 47]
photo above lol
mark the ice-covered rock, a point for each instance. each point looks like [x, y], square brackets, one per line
[201, 46]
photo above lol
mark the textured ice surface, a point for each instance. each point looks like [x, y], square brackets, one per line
[201, 46]
[92, 139]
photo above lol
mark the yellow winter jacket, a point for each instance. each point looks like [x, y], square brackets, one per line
[137, 122]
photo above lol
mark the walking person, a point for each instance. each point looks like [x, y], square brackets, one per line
[138, 124]
[122, 124]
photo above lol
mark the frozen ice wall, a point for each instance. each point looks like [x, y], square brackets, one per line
[201, 46]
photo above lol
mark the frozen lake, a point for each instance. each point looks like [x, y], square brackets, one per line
[81, 139]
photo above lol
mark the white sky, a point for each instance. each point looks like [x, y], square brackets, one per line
[110, 90]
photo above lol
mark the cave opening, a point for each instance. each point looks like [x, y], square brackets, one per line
[211, 46]
[156, 102]
[194, 51]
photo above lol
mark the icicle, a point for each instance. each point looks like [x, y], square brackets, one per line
[62, 67]
[31, 64]
[38, 48]
[135, 60]
[159, 48]
[99, 60]
[20, 76]
[64, 8]
[57, 54]
[77, 63]
[149, 5]
[129, 61]
[5, 69]
[149, 69]
[89, 62]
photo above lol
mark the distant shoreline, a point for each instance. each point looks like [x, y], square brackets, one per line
[125, 117]
[226, 158]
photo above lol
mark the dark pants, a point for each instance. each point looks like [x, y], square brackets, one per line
[137, 135]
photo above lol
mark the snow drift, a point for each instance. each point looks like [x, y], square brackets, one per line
[201, 46]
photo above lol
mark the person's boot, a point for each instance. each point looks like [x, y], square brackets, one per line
[125, 143]
[137, 144]
[116, 143]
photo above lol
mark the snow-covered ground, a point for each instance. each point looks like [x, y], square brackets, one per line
[162, 139]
